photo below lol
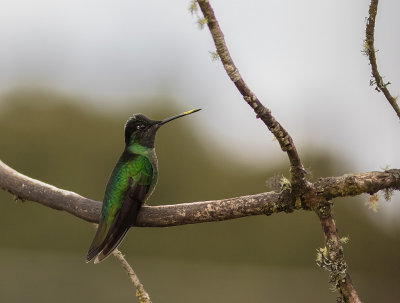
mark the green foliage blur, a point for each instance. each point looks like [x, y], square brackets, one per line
[56, 139]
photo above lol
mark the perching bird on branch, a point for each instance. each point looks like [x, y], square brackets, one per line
[130, 185]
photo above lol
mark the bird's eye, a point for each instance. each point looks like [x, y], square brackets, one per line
[140, 126]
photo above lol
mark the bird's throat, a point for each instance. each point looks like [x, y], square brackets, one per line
[136, 148]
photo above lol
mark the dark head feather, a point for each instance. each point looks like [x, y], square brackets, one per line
[143, 128]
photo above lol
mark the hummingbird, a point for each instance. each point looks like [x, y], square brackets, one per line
[131, 183]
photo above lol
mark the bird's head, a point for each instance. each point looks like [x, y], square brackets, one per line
[141, 130]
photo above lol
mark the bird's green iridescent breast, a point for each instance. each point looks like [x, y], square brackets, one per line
[137, 168]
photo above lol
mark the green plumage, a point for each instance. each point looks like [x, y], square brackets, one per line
[130, 185]
[137, 169]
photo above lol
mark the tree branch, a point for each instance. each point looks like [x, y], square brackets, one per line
[307, 196]
[141, 293]
[369, 50]
[298, 173]
[331, 257]
[353, 185]
[25, 188]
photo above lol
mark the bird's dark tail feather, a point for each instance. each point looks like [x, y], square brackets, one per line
[106, 240]
[111, 242]
[98, 242]
[100, 248]
[110, 246]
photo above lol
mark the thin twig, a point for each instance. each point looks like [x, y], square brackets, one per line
[25, 188]
[369, 50]
[140, 291]
[298, 173]
[331, 257]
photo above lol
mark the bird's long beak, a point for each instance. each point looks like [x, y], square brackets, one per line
[178, 116]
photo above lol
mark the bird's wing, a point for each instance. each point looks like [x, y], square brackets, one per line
[119, 216]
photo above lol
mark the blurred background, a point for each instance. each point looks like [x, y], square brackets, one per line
[73, 71]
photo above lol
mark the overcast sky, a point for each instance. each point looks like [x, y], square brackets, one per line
[302, 58]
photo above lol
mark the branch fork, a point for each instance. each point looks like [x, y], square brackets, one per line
[298, 193]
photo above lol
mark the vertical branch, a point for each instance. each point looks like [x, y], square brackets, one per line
[331, 257]
[140, 291]
[369, 50]
[298, 174]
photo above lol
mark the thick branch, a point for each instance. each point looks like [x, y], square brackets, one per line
[353, 185]
[26, 188]
[298, 173]
[369, 49]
